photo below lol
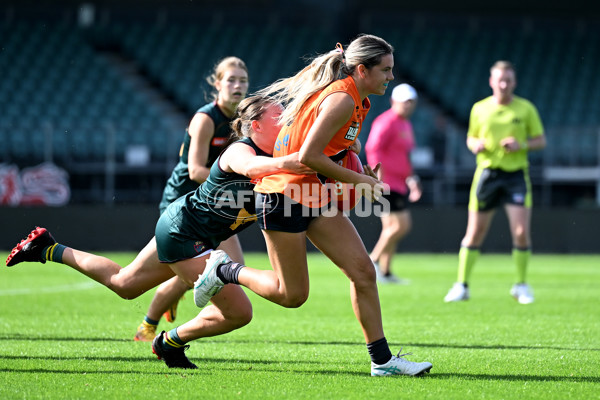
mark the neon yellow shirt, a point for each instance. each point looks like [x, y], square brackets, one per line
[493, 122]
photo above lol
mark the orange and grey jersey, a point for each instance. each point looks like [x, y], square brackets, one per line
[308, 189]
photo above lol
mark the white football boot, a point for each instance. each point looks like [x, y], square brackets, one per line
[208, 283]
[399, 366]
[458, 292]
[522, 292]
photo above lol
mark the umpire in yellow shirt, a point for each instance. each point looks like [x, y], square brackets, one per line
[502, 129]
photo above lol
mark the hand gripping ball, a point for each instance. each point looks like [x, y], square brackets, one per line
[346, 196]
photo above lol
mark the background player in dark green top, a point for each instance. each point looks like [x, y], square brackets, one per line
[207, 135]
[231, 308]
[209, 131]
[502, 129]
[180, 183]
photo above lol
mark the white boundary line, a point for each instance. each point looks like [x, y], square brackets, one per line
[49, 289]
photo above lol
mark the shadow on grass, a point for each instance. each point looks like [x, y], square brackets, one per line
[200, 371]
[494, 346]
[85, 372]
[406, 345]
[325, 372]
[81, 358]
[517, 378]
[17, 337]
[151, 357]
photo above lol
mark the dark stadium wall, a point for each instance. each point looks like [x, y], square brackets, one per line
[129, 228]
[307, 10]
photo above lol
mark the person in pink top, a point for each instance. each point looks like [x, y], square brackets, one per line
[390, 142]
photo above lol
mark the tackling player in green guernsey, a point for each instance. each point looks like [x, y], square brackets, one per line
[503, 128]
[207, 135]
[187, 232]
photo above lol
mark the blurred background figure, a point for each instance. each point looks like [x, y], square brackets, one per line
[502, 129]
[390, 142]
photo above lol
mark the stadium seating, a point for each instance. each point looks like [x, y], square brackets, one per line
[55, 76]
[449, 61]
[64, 100]
[60, 93]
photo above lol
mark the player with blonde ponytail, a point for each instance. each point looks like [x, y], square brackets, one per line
[325, 106]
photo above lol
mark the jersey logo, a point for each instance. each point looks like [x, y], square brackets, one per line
[352, 131]
[243, 217]
[198, 247]
[516, 121]
[282, 142]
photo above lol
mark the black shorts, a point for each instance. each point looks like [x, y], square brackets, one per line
[277, 212]
[397, 200]
[492, 188]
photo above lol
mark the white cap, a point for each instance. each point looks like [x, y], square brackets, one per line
[404, 92]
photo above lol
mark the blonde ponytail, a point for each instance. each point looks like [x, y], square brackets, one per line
[324, 69]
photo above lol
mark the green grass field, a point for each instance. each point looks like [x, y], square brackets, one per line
[65, 337]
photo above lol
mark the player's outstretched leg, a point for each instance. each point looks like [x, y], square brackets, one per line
[166, 350]
[209, 284]
[399, 366]
[32, 248]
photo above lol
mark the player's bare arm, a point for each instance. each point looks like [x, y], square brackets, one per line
[201, 131]
[511, 144]
[537, 143]
[242, 159]
[334, 113]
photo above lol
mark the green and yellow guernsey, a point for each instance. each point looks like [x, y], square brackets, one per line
[493, 122]
[179, 182]
[220, 207]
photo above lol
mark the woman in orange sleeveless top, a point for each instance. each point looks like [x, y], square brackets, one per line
[322, 118]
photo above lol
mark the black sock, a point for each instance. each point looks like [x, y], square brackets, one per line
[379, 351]
[228, 273]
